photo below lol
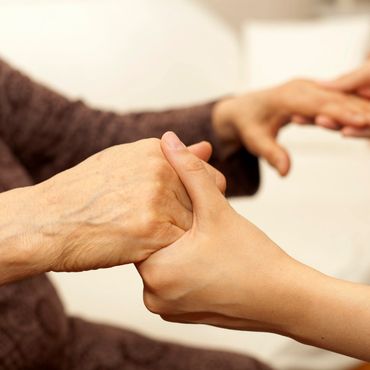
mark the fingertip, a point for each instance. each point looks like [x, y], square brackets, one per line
[171, 141]
[282, 163]
[346, 132]
[283, 167]
[327, 122]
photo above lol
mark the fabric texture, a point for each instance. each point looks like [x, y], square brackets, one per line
[41, 134]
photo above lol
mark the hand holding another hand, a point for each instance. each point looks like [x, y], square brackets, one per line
[356, 82]
[224, 271]
[118, 206]
[255, 119]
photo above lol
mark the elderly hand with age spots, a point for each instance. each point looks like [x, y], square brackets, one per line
[117, 207]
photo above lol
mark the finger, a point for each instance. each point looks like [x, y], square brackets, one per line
[364, 92]
[267, 147]
[180, 216]
[202, 150]
[193, 173]
[356, 132]
[218, 178]
[302, 120]
[328, 123]
[346, 113]
[349, 82]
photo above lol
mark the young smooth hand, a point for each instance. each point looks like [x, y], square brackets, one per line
[356, 82]
[255, 119]
[197, 278]
[226, 272]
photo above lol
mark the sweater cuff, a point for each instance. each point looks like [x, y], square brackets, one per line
[240, 168]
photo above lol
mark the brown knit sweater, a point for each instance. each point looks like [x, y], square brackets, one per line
[41, 134]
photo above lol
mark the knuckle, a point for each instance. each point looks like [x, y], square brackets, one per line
[162, 171]
[193, 165]
[150, 224]
[330, 107]
[153, 304]
[153, 146]
[154, 142]
[150, 144]
[157, 282]
[154, 190]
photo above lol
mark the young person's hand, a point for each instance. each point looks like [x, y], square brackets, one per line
[255, 119]
[226, 272]
[356, 82]
[118, 206]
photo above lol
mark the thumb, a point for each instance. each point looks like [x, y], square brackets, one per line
[203, 151]
[199, 184]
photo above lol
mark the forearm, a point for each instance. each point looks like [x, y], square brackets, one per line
[328, 313]
[20, 236]
[337, 318]
[49, 133]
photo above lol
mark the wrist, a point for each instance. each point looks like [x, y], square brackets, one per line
[22, 242]
[284, 296]
[300, 301]
[223, 122]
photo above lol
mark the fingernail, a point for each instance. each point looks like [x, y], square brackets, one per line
[172, 141]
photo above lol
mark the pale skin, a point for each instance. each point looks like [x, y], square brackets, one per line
[256, 118]
[226, 272]
[357, 83]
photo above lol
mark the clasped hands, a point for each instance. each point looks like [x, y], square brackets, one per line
[159, 205]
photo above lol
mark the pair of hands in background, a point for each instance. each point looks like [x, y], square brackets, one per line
[255, 119]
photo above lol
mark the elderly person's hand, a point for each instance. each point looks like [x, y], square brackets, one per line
[255, 119]
[118, 206]
[226, 272]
